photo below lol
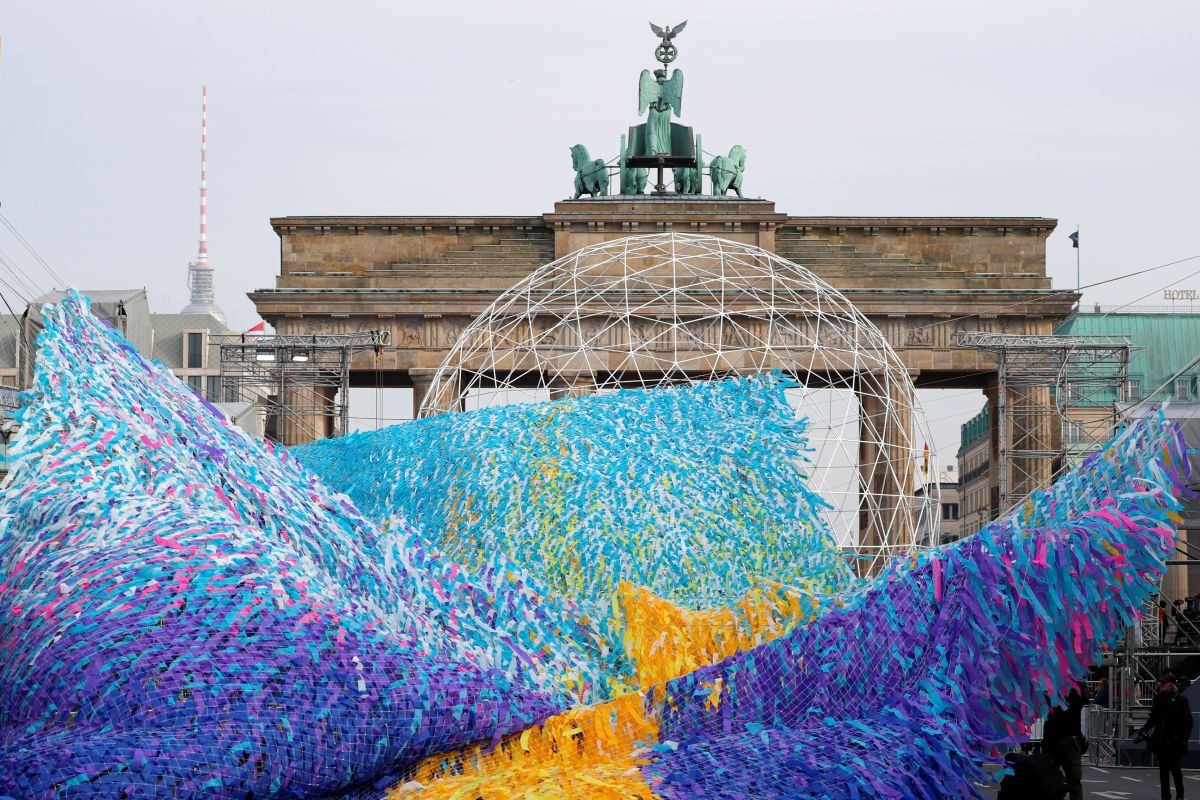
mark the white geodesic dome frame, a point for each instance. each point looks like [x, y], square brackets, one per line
[669, 308]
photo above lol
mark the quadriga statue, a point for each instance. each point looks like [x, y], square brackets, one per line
[727, 171]
[591, 176]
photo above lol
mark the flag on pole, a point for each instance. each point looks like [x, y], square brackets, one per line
[259, 328]
[1075, 239]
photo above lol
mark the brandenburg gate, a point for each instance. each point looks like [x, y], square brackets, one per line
[423, 279]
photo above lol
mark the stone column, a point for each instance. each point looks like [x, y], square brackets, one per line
[306, 413]
[448, 391]
[421, 379]
[992, 393]
[1179, 579]
[870, 475]
[885, 465]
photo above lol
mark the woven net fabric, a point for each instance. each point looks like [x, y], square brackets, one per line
[902, 689]
[187, 612]
[664, 309]
[697, 493]
[678, 522]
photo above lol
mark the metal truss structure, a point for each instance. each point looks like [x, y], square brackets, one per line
[1056, 399]
[300, 381]
[662, 309]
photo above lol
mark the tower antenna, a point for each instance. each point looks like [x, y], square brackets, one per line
[202, 259]
[200, 274]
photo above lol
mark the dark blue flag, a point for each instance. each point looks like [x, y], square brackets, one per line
[1075, 239]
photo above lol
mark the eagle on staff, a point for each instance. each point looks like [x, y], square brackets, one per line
[662, 97]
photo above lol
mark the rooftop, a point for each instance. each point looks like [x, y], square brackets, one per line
[1166, 341]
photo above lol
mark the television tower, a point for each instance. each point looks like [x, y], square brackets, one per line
[200, 274]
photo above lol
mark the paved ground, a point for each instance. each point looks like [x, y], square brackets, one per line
[1128, 784]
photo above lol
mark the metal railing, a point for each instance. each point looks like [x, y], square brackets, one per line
[1110, 735]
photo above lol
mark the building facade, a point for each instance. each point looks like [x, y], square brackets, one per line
[1164, 365]
[939, 522]
[1161, 366]
[181, 341]
[978, 489]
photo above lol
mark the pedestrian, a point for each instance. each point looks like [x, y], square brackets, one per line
[1168, 729]
[1101, 696]
[1063, 740]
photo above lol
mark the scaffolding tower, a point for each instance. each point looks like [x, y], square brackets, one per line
[301, 382]
[1056, 402]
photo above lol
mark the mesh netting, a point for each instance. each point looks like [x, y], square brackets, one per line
[186, 612]
[669, 308]
[901, 689]
[697, 493]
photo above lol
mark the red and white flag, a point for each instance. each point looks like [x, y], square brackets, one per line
[259, 328]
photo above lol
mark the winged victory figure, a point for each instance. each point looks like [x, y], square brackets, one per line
[662, 97]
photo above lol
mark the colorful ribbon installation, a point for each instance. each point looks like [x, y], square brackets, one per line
[679, 521]
[695, 494]
[901, 692]
[186, 612]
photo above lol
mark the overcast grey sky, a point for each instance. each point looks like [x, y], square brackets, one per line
[1082, 111]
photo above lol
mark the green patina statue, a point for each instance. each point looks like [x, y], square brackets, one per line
[633, 179]
[689, 180]
[661, 96]
[591, 176]
[727, 171]
[658, 143]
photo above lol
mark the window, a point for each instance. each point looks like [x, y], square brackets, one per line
[214, 388]
[196, 382]
[949, 510]
[194, 357]
[1071, 393]
[1182, 389]
[1073, 431]
[1133, 389]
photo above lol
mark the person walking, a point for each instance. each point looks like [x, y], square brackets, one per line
[1168, 729]
[1063, 740]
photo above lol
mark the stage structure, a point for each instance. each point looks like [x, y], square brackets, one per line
[301, 382]
[1055, 402]
[666, 309]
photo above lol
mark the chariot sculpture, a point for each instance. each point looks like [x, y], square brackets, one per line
[660, 143]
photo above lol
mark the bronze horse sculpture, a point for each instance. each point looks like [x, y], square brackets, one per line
[727, 171]
[591, 176]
